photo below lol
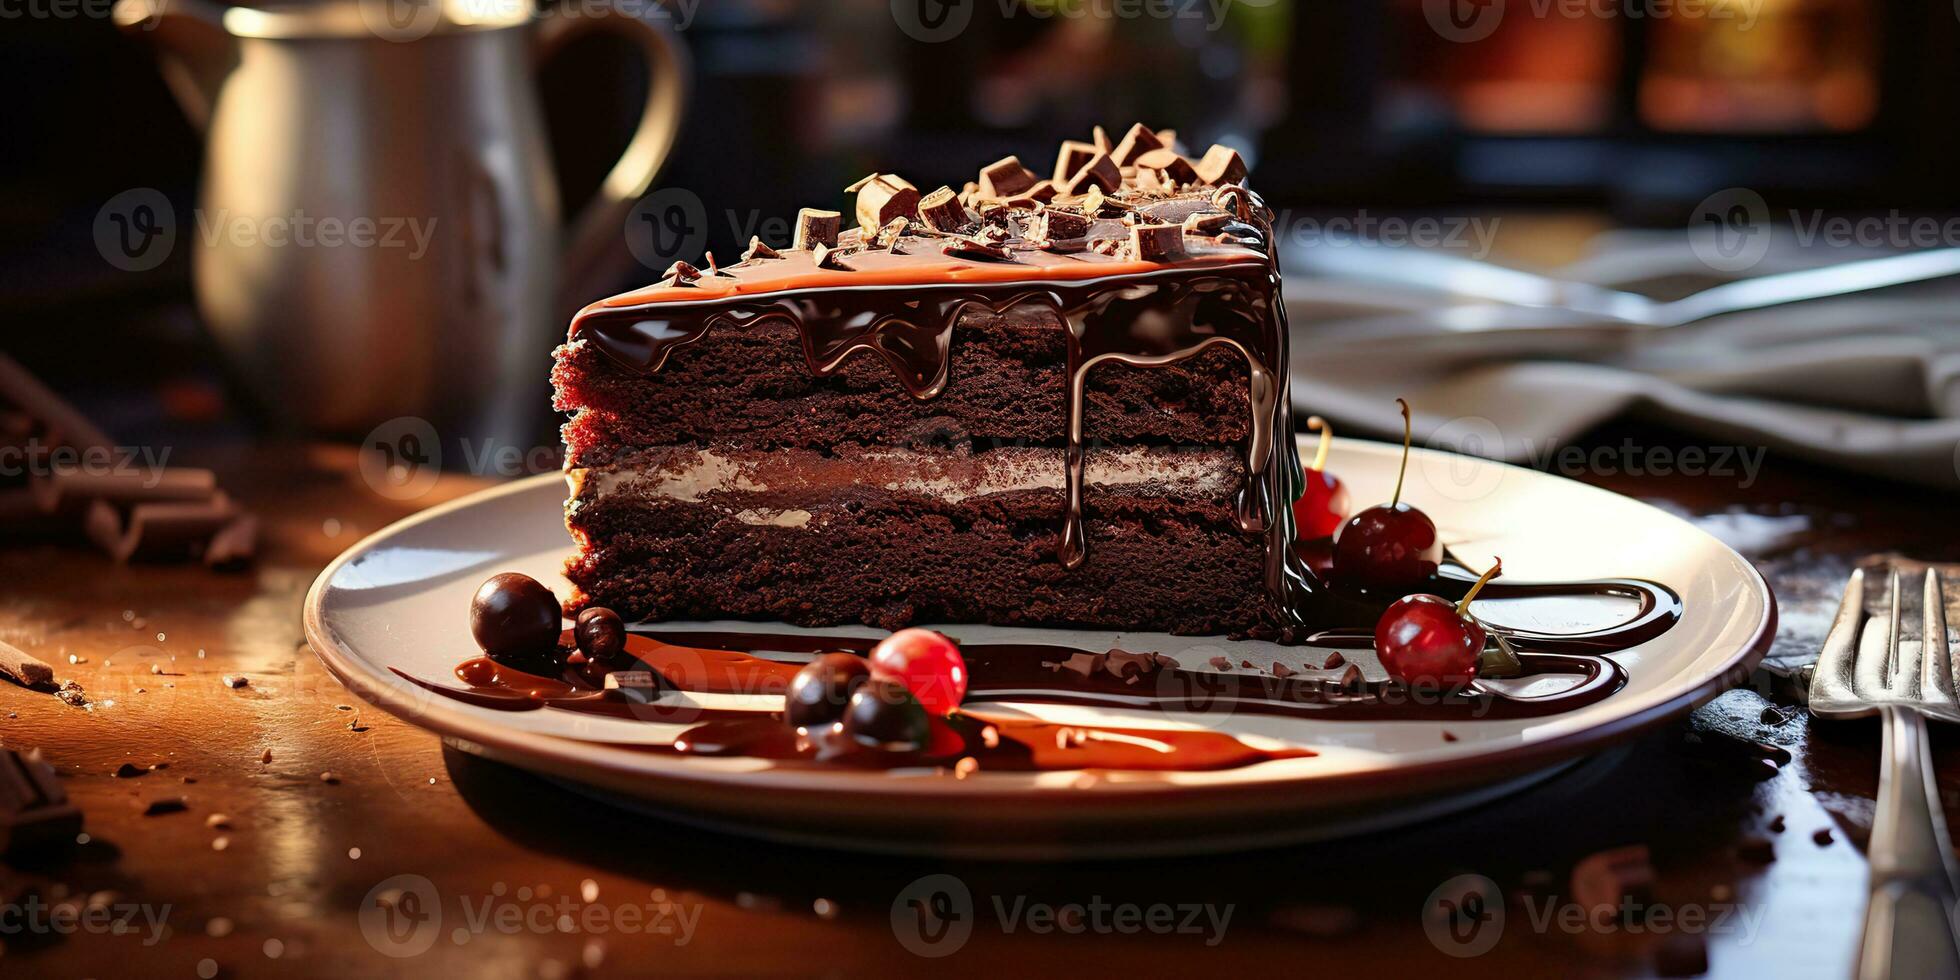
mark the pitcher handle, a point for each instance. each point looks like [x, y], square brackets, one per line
[195, 50]
[597, 233]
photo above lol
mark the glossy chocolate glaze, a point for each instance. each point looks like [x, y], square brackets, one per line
[902, 307]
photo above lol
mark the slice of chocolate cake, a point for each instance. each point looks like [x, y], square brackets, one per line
[1054, 402]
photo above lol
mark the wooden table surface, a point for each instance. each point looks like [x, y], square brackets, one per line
[531, 880]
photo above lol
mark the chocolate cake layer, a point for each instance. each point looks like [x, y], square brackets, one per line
[1032, 403]
[889, 537]
[1008, 384]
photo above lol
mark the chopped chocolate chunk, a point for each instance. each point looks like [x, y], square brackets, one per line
[974, 248]
[1221, 165]
[35, 814]
[1043, 191]
[1449, 736]
[941, 210]
[714, 268]
[683, 274]
[1247, 664]
[1126, 665]
[330, 777]
[1100, 172]
[165, 804]
[1053, 225]
[1220, 663]
[1282, 670]
[827, 257]
[635, 686]
[1333, 660]
[1157, 243]
[1069, 162]
[1777, 824]
[888, 235]
[1350, 678]
[1207, 223]
[1822, 837]
[758, 250]
[1106, 246]
[1139, 140]
[24, 668]
[235, 681]
[1005, 177]
[1170, 163]
[882, 198]
[72, 694]
[816, 227]
[130, 770]
[1084, 664]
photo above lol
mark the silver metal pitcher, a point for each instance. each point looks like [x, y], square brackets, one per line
[378, 233]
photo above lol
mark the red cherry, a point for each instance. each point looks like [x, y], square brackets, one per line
[1389, 547]
[1428, 639]
[1323, 503]
[929, 666]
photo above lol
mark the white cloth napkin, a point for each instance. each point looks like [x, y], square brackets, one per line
[1869, 382]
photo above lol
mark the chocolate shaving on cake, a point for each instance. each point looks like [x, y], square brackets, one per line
[975, 248]
[1221, 165]
[941, 210]
[1128, 666]
[1100, 172]
[682, 274]
[825, 257]
[1157, 243]
[758, 250]
[888, 236]
[1070, 160]
[714, 268]
[1055, 228]
[1139, 140]
[1005, 178]
[882, 197]
[816, 227]
[1167, 161]
[1206, 224]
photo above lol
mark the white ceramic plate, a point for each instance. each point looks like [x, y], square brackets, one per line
[400, 600]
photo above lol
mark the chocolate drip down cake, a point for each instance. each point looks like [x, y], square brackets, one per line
[1037, 402]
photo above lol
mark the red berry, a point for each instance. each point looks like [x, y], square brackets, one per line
[1388, 547]
[1422, 639]
[1322, 506]
[929, 666]
[1323, 501]
[1427, 639]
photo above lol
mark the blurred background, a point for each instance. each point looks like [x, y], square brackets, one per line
[1581, 140]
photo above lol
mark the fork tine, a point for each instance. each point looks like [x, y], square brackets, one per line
[1872, 670]
[1904, 657]
[1831, 681]
[1936, 671]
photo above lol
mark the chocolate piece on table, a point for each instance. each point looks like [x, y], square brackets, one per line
[1069, 161]
[1139, 140]
[1005, 177]
[1100, 172]
[1170, 163]
[75, 487]
[758, 250]
[883, 197]
[941, 210]
[35, 814]
[160, 531]
[1157, 243]
[24, 668]
[816, 227]
[1221, 165]
[1052, 225]
[974, 248]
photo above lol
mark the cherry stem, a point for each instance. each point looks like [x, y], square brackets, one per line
[1317, 424]
[1496, 569]
[1407, 434]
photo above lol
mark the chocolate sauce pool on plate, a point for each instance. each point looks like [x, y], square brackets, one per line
[763, 663]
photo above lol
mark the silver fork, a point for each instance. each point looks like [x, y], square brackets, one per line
[1910, 927]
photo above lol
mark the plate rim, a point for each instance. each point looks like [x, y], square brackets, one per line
[605, 764]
